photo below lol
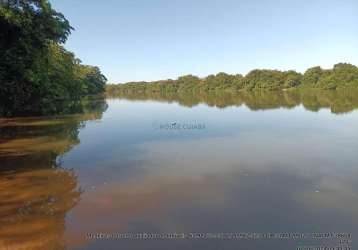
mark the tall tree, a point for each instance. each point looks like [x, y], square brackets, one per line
[35, 70]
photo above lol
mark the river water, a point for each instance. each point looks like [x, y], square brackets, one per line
[183, 172]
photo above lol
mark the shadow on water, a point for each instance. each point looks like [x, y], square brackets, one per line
[35, 191]
[338, 101]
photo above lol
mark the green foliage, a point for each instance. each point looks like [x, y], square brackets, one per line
[238, 82]
[312, 76]
[188, 83]
[292, 79]
[36, 72]
[93, 81]
[341, 76]
[265, 79]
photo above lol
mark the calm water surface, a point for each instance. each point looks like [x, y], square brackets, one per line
[215, 164]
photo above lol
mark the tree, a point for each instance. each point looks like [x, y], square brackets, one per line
[341, 76]
[188, 82]
[265, 79]
[238, 82]
[346, 73]
[312, 76]
[93, 81]
[292, 79]
[35, 70]
[224, 81]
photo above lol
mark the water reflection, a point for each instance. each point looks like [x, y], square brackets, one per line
[35, 191]
[339, 101]
[33, 208]
[281, 170]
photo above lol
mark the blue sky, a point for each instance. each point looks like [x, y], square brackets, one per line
[160, 39]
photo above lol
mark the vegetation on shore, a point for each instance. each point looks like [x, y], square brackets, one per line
[37, 74]
[343, 75]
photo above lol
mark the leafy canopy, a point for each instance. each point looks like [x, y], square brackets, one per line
[35, 70]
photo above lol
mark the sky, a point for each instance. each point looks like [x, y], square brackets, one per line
[134, 40]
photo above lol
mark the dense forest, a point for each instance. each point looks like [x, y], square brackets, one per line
[38, 76]
[343, 75]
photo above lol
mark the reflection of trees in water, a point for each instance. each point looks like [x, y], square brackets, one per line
[55, 134]
[338, 101]
[33, 208]
[35, 192]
